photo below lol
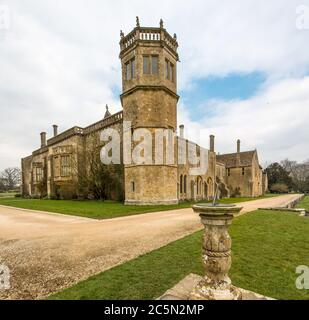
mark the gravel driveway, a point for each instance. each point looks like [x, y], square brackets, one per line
[47, 252]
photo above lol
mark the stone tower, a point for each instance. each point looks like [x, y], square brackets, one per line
[149, 100]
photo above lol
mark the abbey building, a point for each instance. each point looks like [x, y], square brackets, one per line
[149, 101]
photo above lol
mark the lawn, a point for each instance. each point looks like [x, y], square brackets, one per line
[267, 248]
[304, 203]
[97, 209]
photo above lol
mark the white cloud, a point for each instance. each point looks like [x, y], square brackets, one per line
[59, 64]
[275, 122]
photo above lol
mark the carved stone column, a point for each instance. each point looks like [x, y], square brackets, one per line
[216, 284]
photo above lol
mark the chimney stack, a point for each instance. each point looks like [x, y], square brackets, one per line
[212, 143]
[43, 139]
[182, 131]
[238, 146]
[55, 130]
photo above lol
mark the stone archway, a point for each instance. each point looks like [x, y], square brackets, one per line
[199, 187]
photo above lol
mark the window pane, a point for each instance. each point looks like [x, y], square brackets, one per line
[128, 74]
[65, 166]
[146, 65]
[181, 184]
[172, 72]
[132, 68]
[167, 69]
[155, 65]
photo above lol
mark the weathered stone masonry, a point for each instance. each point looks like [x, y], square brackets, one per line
[149, 100]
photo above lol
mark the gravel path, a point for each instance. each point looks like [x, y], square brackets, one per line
[47, 252]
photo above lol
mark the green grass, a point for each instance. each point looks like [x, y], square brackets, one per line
[304, 203]
[97, 209]
[267, 248]
[89, 209]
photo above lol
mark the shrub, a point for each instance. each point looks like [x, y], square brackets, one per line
[236, 193]
[53, 197]
[17, 195]
[279, 188]
[67, 192]
[35, 197]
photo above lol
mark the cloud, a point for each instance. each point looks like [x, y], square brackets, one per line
[275, 121]
[59, 63]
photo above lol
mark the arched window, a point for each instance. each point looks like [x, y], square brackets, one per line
[185, 184]
[199, 182]
[181, 186]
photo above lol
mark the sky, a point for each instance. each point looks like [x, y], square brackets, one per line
[243, 71]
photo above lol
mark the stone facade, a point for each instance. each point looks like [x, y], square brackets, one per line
[244, 176]
[149, 100]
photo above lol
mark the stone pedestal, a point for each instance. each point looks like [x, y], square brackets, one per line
[217, 243]
[183, 290]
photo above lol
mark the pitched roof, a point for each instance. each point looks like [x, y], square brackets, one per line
[230, 160]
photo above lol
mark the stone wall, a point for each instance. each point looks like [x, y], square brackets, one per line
[72, 144]
[149, 101]
[201, 187]
[246, 181]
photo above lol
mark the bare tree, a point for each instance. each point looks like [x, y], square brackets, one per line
[96, 180]
[299, 172]
[2, 185]
[11, 178]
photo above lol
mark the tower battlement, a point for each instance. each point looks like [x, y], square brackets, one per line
[148, 35]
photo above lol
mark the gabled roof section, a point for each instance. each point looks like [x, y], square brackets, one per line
[230, 160]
